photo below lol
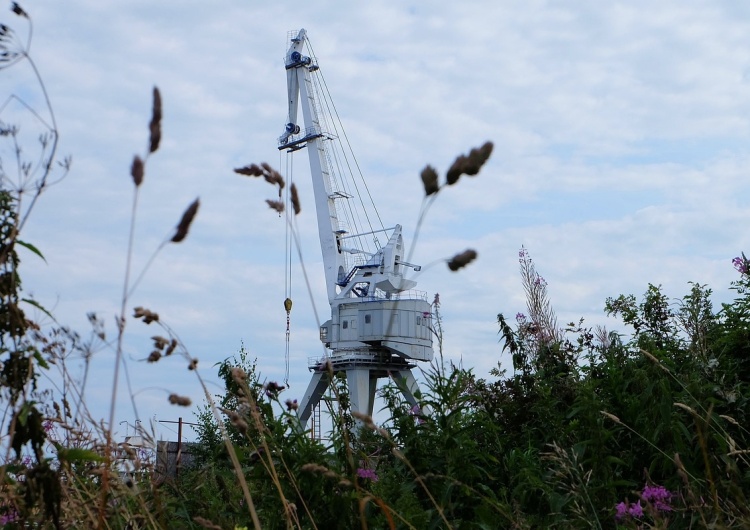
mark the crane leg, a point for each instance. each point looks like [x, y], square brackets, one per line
[315, 390]
[405, 381]
[362, 385]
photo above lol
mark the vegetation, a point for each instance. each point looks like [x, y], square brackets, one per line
[589, 429]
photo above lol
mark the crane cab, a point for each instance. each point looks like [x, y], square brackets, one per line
[399, 326]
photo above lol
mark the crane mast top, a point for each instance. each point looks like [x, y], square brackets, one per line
[384, 268]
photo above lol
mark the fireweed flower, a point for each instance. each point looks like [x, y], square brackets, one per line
[621, 510]
[636, 510]
[416, 411]
[367, 474]
[740, 264]
[658, 496]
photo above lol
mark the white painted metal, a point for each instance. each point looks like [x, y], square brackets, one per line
[379, 326]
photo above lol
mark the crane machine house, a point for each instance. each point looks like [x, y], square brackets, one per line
[379, 326]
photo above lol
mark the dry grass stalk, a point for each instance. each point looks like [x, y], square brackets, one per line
[686, 408]
[239, 423]
[275, 205]
[462, 260]
[160, 342]
[171, 348]
[364, 418]
[182, 401]
[205, 523]
[610, 416]
[656, 361]
[681, 469]
[136, 170]
[730, 419]
[295, 199]
[147, 316]
[253, 170]
[155, 124]
[469, 165]
[314, 468]
[430, 180]
[238, 375]
[187, 218]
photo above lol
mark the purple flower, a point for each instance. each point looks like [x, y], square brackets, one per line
[658, 496]
[740, 264]
[520, 318]
[416, 411]
[367, 474]
[621, 510]
[8, 518]
[636, 510]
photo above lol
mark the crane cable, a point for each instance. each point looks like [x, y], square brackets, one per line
[287, 267]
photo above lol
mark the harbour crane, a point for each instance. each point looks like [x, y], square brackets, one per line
[380, 326]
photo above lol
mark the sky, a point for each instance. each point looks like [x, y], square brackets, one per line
[622, 150]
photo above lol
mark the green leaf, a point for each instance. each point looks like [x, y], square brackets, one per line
[39, 306]
[76, 454]
[40, 360]
[31, 248]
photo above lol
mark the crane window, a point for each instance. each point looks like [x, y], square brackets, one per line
[345, 324]
[368, 319]
[419, 321]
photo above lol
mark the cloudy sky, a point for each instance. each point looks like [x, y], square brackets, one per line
[622, 152]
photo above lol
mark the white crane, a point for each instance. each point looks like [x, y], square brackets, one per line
[379, 325]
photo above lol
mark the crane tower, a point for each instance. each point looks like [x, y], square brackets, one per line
[379, 326]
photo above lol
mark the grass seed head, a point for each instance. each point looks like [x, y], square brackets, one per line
[18, 10]
[611, 417]
[160, 342]
[253, 170]
[136, 170]
[275, 205]
[187, 218]
[147, 316]
[182, 401]
[154, 356]
[155, 125]
[729, 419]
[295, 199]
[171, 348]
[462, 260]
[238, 375]
[430, 180]
[469, 165]
[205, 523]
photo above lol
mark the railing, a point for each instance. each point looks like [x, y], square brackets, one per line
[411, 294]
[350, 358]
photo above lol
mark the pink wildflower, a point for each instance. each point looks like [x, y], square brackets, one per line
[367, 474]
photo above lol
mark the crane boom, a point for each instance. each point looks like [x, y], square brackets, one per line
[299, 83]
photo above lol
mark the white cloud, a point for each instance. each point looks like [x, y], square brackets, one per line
[621, 154]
